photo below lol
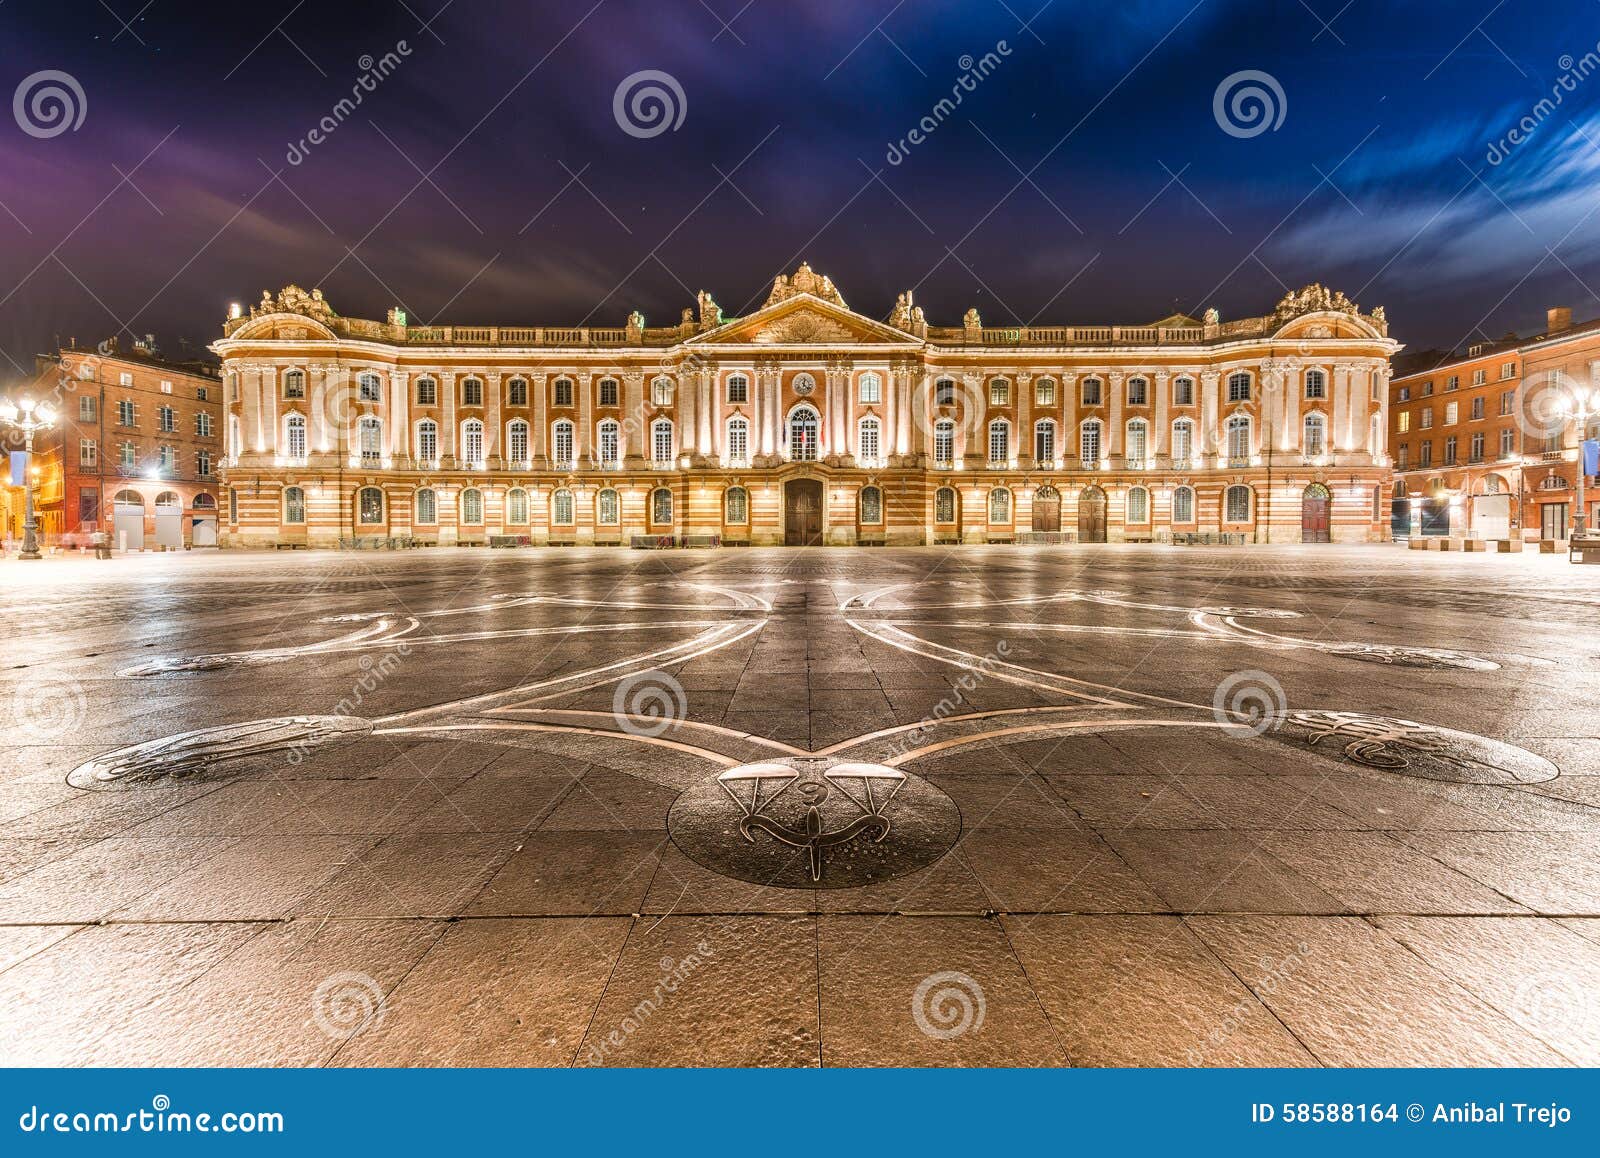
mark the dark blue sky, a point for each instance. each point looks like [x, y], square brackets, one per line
[1086, 179]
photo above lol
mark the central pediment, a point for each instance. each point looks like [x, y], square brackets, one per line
[803, 320]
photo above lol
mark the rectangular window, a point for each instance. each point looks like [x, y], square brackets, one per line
[202, 463]
[609, 444]
[166, 419]
[125, 379]
[428, 442]
[739, 389]
[1451, 412]
[871, 389]
[563, 392]
[1508, 443]
[1091, 392]
[85, 408]
[201, 393]
[869, 442]
[1401, 454]
[202, 424]
[517, 393]
[1450, 451]
[1427, 418]
[1044, 392]
[1477, 407]
[1404, 422]
[1508, 403]
[1425, 455]
[1453, 382]
[1479, 377]
[471, 392]
[608, 392]
[739, 443]
[169, 458]
[427, 392]
[1508, 369]
[1477, 447]
[1404, 395]
[126, 455]
[999, 442]
[1183, 392]
[1044, 442]
[563, 444]
[1089, 444]
[1137, 391]
[944, 444]
[999, 392]
[1238, 387]
[88, 452]
[661, 442]
[88, 506]
[127, 412]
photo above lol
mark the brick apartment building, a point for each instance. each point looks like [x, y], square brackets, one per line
[135, 451]
[1482, 446]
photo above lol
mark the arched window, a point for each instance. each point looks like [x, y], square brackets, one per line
[204, 502]
[736, 505]
[561, 508]
[472, 442]
[561, 392]
[871, 505]
[1236, 505]
[1138, 391]
[738, 441]
[1238, 437]
[1138, 447]
[661, 507]
[608, 508]
[999, 441]
[1316, 384]
[369, 438]
[517, 440]
[517, 506]
[803, 424]
[1089, 443]
[294, 384]
[1183, 391]
[661, 391]
[428, 440]
[1314, 443]
[1239, 387]
[944, 505]
[369, 506]
[294, 432]
[561, 445]
[1183, 505]
[870, 442]
[609, 442]
[517, 392]
[944, 442]
[294, 505]
[999, 505]
[370, 387]
[1044, 440]
[1182, 440]
[1138, 505]
[427, 507]
[871, 388]
[661, 442]
[472, 507]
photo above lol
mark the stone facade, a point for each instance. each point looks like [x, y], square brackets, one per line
[805, 422]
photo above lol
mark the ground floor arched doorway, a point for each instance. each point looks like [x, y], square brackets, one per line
[1047, 510]
[1092, 515]
[1315, 507]
[802, 512]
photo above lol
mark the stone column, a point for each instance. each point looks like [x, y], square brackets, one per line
[901, 385]
[399, 439]
[1339, 428]
[493, 435]
[583, 436]
[971, 451]
[1161, 436]
[1210, 398]
[683, 396]
[1024, 448]
[447, 420]
[1291, 380]
[539, 383]
[704, 412]
[1115, 385]
[1067, 437]
[633, 432]
[767, 385]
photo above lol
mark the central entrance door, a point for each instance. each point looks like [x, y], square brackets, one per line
[802, 512]
[1314, 504]
[1092, 515]
[1047, 510]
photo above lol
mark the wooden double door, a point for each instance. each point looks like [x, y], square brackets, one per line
[1092, 515]
[802, 512]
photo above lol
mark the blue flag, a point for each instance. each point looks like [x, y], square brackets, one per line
[1591, 456]
[19, 468]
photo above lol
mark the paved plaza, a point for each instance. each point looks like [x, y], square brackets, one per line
[984, 806]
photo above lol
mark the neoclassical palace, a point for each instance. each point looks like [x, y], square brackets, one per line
[805, 422]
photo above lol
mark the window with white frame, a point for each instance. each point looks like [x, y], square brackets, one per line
[369, 506]
[736, 505]
[1236, 504]
[517, 392]
[1089, 443]
[738, 441]
[1316, 384]
[1138, 507]
[609, 440]
[1314, 442]
[661, 442]
[869, 441]
[608, 392]
[608, 508]
[871, 388]
[661, 507]
[1138, 441]
[1044, 440]
[562, 392]
[944, 442]
[1044, 392]
[202, 424]
[370, 388]
[999, 440]
[999, 392]
[1239, 387]
[1183, 505]
[294, 436]
[944, 505]
[871, 505]
[999, 505]
[1451, 411]
[427, 506]
[428, 440]
[294, 505]
[472, 442]
[1138, 391]
[944, 392]
[369, 438]
[88, 452]
[661, 392]
[1091, 391]
[517, 506]
[472, 507]
[517, 440]
[738, 389]
[561, 443]
[1238, 437]
[1182, 440]
[427, 392]
[561, 508]
[294, 384]
[803, 434]
[1183, 391]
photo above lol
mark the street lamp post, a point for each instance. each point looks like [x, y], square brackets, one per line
[1580, 405]
[28, 417]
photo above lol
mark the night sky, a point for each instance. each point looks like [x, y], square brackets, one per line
[1085, 179]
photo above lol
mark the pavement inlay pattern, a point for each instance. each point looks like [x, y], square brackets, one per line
[993, 803]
